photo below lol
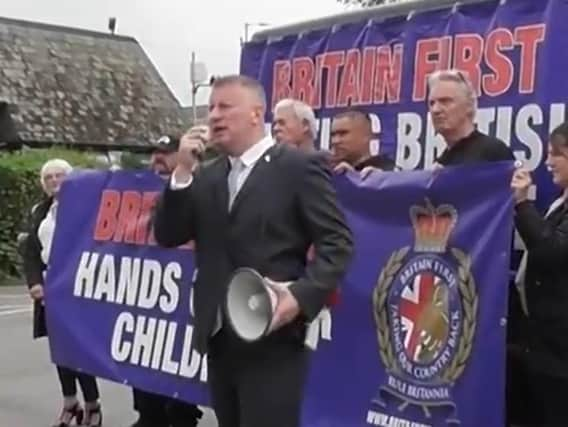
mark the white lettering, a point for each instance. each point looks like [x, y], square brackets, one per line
[168, 364]
[120, 349]
[159, 344]
[143, 340]
[85, 277]
[172, 272]
[128, 281]
[408, 151]
[320, 327]
[105, 280]
[150, 284]
[529, 114]
[152, 344]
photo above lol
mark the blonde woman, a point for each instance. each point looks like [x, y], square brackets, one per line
[36, 258]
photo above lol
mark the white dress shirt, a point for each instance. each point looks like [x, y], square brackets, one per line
[248, 159]
[45, 232]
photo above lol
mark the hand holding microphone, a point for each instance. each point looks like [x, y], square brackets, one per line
[191, 147]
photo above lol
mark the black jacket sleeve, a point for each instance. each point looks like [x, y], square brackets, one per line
[546, 243]
[174, 215]
[32, 262]
[331, 237]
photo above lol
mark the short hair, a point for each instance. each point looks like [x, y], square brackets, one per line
[244, 81]
[302, 111]
[356, 114]
[456, 76]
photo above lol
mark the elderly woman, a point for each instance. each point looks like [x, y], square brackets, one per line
[36, 259]
[543, 281]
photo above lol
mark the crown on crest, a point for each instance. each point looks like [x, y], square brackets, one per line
[432, 226]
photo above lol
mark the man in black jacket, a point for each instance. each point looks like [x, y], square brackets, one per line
[453, 104]
[259, 205]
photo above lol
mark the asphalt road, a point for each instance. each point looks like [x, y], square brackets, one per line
[29, 389]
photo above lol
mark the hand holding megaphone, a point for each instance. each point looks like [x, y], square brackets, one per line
[256, 306]
[286, 308]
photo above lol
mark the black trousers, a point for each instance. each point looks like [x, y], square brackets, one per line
[157, 410]
[68, 379]
[259, 384]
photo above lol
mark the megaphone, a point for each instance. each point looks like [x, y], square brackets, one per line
[250, 304]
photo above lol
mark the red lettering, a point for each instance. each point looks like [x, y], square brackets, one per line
[332, 61]
[445, 53]
[106, 217]
[316, 100]
[349, 87]
[281, 81]
[388, 74]
[143, 226]
[128, 217]
[468, 51]
[302, 80]
[367, 76]
[500, 81]
[424, 65]
[528, 37]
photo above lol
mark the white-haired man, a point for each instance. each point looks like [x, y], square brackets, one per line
[295, 123]
[453, 104]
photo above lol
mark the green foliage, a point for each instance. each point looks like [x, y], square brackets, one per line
[20, 189]
[134, 161]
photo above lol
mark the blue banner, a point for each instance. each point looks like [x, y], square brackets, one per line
[418, 336]
[514, 52]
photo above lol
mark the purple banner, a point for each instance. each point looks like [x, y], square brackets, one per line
[514, 51]
[417, 339]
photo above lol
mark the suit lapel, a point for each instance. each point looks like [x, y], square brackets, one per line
[222, 190]
[256, 177]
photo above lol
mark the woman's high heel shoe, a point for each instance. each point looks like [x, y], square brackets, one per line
[93, 417]
[69, 414]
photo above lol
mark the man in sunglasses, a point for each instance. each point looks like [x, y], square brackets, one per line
[156, 410]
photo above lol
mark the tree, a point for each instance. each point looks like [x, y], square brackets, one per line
[369, 3]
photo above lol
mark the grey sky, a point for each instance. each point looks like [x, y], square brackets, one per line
[169, 30]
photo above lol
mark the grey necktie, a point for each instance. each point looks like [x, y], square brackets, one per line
[233, 180]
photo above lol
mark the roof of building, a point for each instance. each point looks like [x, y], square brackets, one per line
[64, 85]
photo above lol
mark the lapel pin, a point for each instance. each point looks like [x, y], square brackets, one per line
[267, 158]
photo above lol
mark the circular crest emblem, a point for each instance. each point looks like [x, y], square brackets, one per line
[425, 309]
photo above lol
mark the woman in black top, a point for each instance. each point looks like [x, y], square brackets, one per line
[36, 257]
[543, 284]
